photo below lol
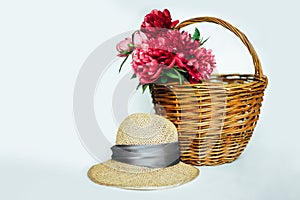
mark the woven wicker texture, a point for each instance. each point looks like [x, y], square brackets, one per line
[216, 118]
[140, 129]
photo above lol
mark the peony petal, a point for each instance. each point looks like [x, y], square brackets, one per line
[174, 23]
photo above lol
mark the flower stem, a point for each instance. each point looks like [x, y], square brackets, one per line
[123, 63]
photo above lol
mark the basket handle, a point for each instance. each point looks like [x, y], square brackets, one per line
[237, 32]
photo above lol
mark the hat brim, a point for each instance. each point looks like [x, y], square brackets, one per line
[122, 175]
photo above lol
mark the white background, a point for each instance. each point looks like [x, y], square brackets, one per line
[42, 47]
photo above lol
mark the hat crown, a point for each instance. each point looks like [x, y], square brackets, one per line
[143, 129]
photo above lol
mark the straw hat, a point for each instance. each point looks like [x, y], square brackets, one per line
[145, 157]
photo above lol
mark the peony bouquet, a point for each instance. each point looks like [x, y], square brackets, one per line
[161, 53]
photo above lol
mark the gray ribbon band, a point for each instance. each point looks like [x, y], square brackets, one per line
[153, 156]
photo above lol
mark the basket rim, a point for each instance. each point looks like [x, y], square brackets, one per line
[233, 29]
[219, 77]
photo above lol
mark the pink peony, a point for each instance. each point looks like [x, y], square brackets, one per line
[180, 44]
[124, 48]
[172, 49]
[145, 66]
[201, 66]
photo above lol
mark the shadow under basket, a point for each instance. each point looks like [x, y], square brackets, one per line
[215, 119]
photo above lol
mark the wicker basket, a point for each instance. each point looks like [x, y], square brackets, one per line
[216, 118]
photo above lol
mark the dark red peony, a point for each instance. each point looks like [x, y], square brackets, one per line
[157, 22]
[159, 19]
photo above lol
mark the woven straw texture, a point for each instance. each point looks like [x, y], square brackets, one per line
[143, 129]
[215, 119]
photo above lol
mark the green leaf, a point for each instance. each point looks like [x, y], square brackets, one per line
[151, 85]
[202, 42]
[123, 63]
[179, 77]
[133, 76]
[125, 52]
[171, 75]
[174, 73]
[196, 35]
[180, 70]
[138, 86]
[145, 87]
[130, 45]
[164, 79]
